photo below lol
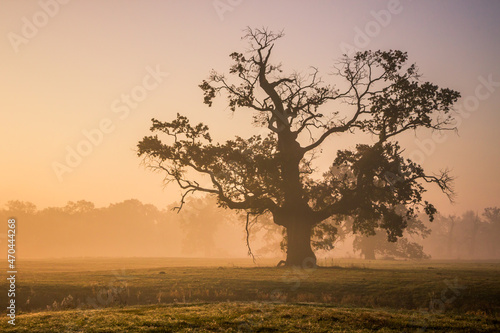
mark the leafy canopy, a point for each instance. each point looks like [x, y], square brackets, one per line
[379, 94]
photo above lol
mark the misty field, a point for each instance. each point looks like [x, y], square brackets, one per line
[157, 295]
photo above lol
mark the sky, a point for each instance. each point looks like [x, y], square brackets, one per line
[69, 69]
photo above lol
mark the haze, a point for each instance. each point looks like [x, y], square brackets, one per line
[68, 81]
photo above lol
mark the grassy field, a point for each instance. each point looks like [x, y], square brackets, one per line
[157, 295]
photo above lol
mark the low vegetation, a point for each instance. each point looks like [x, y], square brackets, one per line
[248, 317]
[155, 295]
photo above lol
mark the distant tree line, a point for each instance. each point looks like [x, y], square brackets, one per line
[472, 235]
[133, 229]
[79, 229]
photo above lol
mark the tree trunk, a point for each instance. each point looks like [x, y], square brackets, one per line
[299, 252]
[368, 245]
[295, 214]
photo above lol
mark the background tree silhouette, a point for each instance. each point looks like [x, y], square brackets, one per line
[470, 235]
[403, 248]
[330, 232]
[200, 224]
[79, 229]
[379, 94]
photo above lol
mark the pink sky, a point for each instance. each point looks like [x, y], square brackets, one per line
[66, 68]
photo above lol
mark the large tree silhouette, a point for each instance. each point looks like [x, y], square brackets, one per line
[379, 94]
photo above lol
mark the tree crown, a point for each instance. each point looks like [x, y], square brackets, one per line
[382, 95]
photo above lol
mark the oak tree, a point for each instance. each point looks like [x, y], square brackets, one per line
[377, 93]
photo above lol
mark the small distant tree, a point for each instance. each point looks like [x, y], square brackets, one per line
[403, 248]
[200, 223]
[379, 94]
[492, 216]
[16, 207]
[271, 236]
[371, 245]
[81, 206]
[327, 234]
[492, 231]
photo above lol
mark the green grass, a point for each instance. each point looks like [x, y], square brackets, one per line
[247, 317]
[114, 295]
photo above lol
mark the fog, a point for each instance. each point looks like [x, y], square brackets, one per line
[201, 229]
[126, 229]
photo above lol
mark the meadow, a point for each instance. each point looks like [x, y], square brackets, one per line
[230, 295]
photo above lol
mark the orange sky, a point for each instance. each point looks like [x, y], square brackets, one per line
[68, 67]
